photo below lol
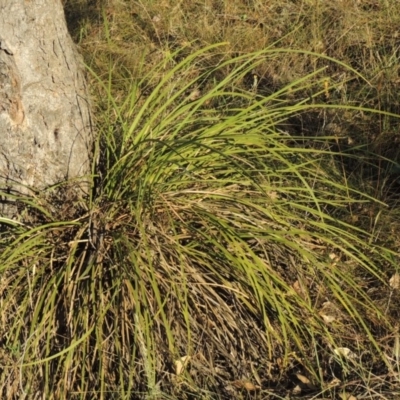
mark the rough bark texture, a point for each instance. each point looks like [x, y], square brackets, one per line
[45, 130]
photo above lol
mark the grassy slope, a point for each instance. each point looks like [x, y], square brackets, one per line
[232, 247]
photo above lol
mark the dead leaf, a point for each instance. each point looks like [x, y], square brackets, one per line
[303, 379]
[328, 312]
[273, 195]
[327, 318]
[344, 352]
[245, 384]
[298, 289]
[354, 218]
[347, 396]
[181, 364]
[305, 382]
[333, 257]
[297, 390]
[394, 281]
[194, 95]
[334, 382]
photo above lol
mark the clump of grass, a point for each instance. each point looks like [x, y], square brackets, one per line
[215, 254]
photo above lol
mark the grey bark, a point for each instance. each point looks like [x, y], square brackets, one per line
[45, 129]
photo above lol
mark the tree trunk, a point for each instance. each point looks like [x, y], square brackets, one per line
[45, 129]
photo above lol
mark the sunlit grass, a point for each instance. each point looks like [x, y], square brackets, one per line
[211, 233]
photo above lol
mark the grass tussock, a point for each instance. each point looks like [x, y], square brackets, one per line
[236, 242]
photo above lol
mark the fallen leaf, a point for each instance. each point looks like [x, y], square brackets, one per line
[194, 95]
[344, 352]
[297, 390]
[245, 384]
[333, 256]
[394, 281]
[334, 382]
[181, 364]
[347, 396]
[327, 318]
[273, 195]
[298, 289]
[306, 383]
[303, 379]
[354, 218]
[328, 312]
